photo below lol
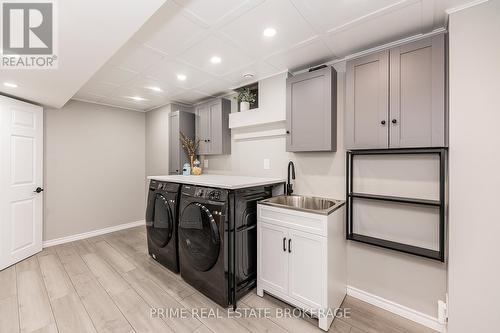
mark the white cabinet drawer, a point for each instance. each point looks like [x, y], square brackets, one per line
[308, 222]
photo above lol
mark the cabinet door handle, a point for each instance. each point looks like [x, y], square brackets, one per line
[208, 140]
[289, 246]
[394, 121]
[383, 122]
[287, 132]
[284, 244]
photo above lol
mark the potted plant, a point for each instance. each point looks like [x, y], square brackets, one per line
[245, 97]
[190, 147]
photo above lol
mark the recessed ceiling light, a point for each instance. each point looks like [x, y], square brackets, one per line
[157, 89]
[269, 32]
[10, 84]
[215, 60]
[137, 98]
[248, 75]
[181, 77]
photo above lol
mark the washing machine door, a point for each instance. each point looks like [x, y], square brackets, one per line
[161, 228]
[199, 236]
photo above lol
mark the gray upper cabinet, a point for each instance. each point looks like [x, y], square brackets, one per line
[417, 94]
[311, 111]
[396, 98]
[367, 101]
[179, 121]
[212, 127]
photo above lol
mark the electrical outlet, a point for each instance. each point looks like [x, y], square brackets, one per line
[442, 312]
[267, 164]
[205, 164]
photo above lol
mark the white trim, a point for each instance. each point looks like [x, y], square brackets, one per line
[92, 233]
[464, 6]
[400, 310]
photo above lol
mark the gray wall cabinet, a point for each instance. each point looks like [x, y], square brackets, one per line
[212, 127]
[367, 101]
[396, 98]
[311, 111]
[179, 121]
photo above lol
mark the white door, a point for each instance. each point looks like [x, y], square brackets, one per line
[21, 162]
[273, 253]
[307, 267]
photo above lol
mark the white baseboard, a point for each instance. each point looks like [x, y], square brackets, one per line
[396, 308]
[92, 233]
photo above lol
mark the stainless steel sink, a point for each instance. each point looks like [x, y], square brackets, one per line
[303, 203]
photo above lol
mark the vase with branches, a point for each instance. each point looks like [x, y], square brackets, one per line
[190, 147]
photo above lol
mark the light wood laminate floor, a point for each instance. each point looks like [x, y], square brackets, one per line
[109, 284]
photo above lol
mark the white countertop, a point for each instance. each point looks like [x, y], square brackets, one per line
[219, 181]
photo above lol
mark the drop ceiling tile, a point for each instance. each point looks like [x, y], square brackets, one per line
[99, 88]
[259, 69]
[191, 97]
[144, 83]
[170, 32]
[247, 29]
[200, 54]
[327, 15]
[303, 55]
[210, 12]
[167, 72]
[403, 22]
[115, 75]
[136, 57]
[215, 87]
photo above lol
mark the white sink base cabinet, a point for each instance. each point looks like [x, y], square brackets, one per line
[301, 259]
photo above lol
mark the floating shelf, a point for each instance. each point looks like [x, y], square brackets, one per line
[414, 201]
[386, 244]
[253, 118]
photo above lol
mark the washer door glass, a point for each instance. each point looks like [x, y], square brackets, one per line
[199, 237]
[161, 230]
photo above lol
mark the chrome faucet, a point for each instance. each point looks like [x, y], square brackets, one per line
[289, 185]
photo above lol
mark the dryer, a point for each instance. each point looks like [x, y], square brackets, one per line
[162, 223]
[218, 240]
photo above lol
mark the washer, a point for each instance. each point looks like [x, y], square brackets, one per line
[218, 240]
[162, 223]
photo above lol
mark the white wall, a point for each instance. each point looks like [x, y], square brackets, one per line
[94, 168]
[474, 268]
[411, 281]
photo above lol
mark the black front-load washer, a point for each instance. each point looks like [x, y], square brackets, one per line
[218, 240]
[162, 223]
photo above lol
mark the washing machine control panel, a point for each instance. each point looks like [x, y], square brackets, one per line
[210, 194]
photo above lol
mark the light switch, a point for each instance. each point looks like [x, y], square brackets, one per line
[267, 164]
[205, 164]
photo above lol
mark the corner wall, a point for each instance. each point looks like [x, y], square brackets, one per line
[474, 268]
[94, 168]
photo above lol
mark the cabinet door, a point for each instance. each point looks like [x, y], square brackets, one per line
[215, 121]
[273, 256]
[417, 93]
[307, 268]
[367, 102]
[311, 111]
[203, 128]
[174, 145]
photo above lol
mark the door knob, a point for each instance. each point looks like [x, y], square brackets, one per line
[394, 121]
[383, 122]
[38, 190]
